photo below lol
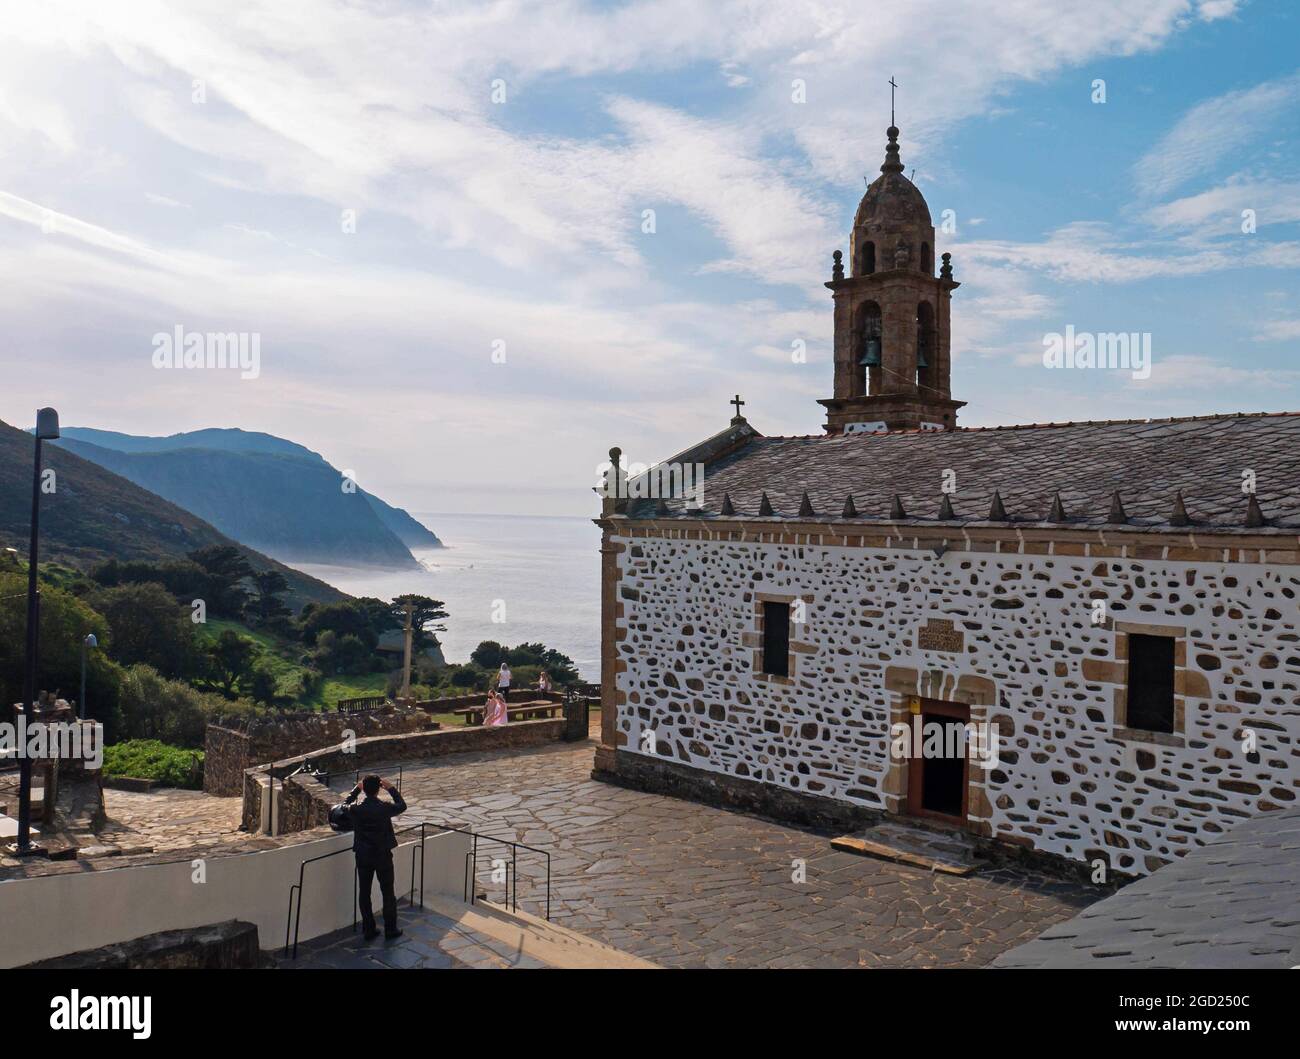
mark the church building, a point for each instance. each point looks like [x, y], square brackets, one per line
[1110, 610]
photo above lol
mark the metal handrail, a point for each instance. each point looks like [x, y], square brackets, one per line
[296, 916]
[294, 913]
[512, 868]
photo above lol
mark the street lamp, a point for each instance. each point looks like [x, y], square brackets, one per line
[47, 429]
[88, 642]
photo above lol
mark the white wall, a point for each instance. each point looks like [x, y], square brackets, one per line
[1067, 785]
[57, 914]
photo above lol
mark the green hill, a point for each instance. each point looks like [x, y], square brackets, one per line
[95, 515]
[272, 494]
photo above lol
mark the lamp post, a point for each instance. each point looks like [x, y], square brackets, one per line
[47, 428]
[88, 642]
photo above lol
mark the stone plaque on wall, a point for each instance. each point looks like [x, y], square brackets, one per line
[938, 634]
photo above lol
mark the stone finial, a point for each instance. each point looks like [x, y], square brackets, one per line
[997, 513]
[806, 508]
[661, 509]
[945, 510]
[837, 270]
[945, 271]
[765, 506]
[1179, 515]
[1254, 514]
[727, 507]
[893, 160]
[850, 511]
[896, 511]
[1057, 511]
[1117, 515]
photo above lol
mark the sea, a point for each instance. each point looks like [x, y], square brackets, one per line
[510, 578]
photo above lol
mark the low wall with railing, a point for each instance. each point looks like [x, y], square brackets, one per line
[229, 751]
[52, 915]
[299, 801]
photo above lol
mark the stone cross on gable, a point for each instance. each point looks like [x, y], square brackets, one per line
[737, 402]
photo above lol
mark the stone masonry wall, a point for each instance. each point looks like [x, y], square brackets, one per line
[304, 801]
[1022, 649]
[228, 752]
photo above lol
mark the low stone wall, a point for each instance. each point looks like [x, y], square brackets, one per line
[229, 752]
[659, 776]
[221, 946]
[303, 801]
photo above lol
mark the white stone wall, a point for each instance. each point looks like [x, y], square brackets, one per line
[1066, 784]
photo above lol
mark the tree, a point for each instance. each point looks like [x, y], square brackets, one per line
[227, 569]
[424, 612]
[64, 620]
[153, 707]
[268, 608]
[346, 654]
[230, 661]
[149, 626]
[488, 655]
[365, 618]
[261, 688]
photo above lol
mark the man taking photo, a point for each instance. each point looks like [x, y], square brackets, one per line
[373, 842]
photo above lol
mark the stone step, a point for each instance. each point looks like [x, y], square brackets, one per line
[951, 854]
[9, 827]
[533, 936]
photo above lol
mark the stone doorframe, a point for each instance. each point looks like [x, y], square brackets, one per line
[906, 688]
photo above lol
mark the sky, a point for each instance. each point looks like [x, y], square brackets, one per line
[432, 218]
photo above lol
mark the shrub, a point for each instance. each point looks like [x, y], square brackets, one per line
[151, 707]
[150, 759]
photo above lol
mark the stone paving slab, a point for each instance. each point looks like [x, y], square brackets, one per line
[687, 885]
[429, 941]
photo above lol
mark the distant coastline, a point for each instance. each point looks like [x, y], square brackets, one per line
[539, 573]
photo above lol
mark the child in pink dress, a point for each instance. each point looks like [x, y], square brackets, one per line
[495, 713]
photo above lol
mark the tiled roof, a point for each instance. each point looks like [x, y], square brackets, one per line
[1232, 903]
[1147, 461]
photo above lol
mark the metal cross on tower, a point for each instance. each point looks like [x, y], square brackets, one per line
[892, 85]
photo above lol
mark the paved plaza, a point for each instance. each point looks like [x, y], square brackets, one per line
[686, 885]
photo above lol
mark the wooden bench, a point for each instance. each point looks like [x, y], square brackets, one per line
[520, 711]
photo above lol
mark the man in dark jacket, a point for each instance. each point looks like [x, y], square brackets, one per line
[373, 843]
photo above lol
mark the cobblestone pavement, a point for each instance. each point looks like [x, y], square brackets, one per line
[428, 940]
[691, 886]
[169, 819]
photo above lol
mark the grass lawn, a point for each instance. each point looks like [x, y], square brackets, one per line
[275, 655]
[281, 659]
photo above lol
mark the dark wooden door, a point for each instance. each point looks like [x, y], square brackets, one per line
[937, 786]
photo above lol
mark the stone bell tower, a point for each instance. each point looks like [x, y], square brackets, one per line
[892, 338]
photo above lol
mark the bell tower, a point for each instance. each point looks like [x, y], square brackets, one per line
[892, 339]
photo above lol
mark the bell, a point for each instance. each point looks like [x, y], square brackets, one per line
[871, 358]
[921, 361]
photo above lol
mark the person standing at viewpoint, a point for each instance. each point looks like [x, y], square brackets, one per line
[373, 842]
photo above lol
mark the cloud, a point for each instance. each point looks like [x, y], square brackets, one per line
[1218, 211]
[1211, 131]
[1091, 252]
[517, 221]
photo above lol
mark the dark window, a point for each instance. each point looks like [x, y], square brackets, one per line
[927, 262]
[867, 262]
[1151, 683]
[776, 639]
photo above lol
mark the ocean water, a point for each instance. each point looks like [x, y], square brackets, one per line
[540, 574]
